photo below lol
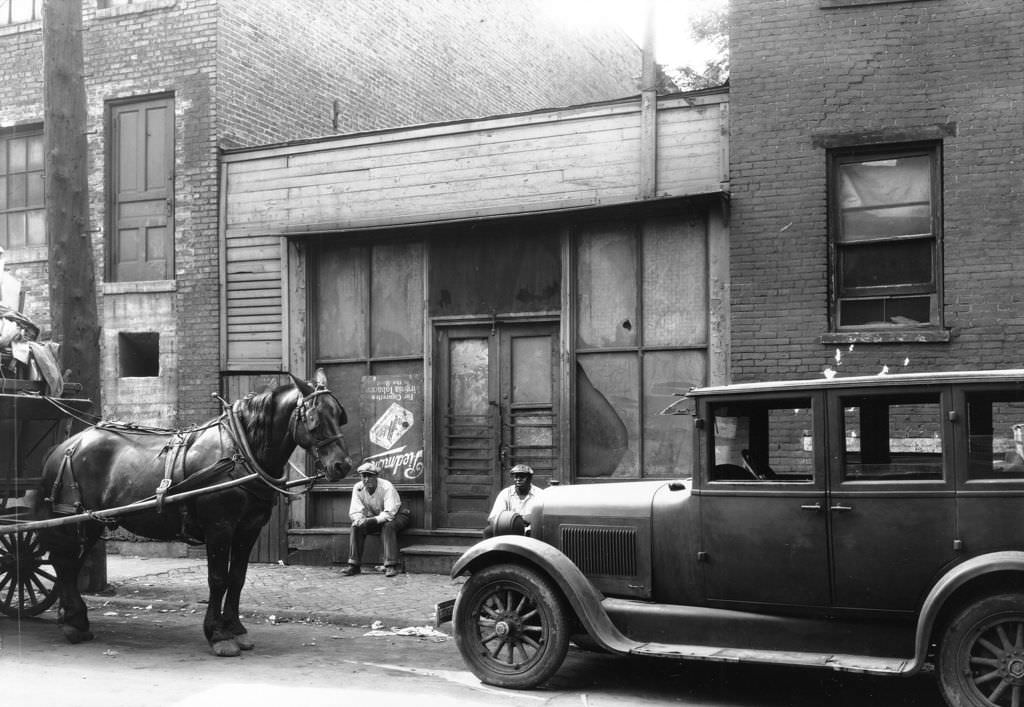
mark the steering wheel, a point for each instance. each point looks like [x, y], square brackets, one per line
[756, 470]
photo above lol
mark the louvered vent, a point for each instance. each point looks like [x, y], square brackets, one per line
[601, 550]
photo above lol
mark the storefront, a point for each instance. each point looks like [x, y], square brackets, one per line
[487, 293]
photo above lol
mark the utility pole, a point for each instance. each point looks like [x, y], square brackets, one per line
[72, 278]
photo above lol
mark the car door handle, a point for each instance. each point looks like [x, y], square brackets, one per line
[839, 507]
[811, 507]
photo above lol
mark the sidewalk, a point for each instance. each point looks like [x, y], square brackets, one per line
[286, 592]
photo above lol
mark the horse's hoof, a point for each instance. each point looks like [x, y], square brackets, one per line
[226, 649]
[75, 635]
[244, 642]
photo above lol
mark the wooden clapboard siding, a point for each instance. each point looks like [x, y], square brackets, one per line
[537, 162]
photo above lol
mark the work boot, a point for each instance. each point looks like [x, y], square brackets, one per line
[390, 571]
[351, 570]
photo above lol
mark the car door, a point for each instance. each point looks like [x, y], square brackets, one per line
[892, 505]
[762, 501]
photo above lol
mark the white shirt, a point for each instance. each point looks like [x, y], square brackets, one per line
[382, 504]
[509, 500]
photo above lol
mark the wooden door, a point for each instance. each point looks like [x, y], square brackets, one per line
[497, 406]
[142, 191]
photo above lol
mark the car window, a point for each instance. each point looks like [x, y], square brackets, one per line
[892, 437]
[995, 424]
[762, 441]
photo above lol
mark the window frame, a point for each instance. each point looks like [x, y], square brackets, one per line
[6, 136]
[838, 292]
[7, 12]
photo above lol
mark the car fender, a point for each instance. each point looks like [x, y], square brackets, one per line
[585, 600]
[948, 584]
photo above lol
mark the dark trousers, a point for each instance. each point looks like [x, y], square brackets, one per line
[388, 532]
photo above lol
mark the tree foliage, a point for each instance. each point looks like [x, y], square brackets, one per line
[710, 28]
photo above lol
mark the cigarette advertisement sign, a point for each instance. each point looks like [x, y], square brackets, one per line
[392, 412]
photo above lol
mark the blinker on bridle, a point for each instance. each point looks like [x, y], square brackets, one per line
[301, 413]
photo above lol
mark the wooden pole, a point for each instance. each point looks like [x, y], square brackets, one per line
[72, 277]
[648, 110]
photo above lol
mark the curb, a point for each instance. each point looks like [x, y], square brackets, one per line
[337, 618]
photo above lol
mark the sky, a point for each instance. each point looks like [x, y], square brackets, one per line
[673, 44]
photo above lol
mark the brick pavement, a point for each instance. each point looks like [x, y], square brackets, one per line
[287, 592]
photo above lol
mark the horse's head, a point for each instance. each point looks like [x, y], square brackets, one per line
[316, 427]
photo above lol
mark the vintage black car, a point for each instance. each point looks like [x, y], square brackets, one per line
[867, 524]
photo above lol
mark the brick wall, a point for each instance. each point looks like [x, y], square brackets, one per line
[800, 72]
[387, 64]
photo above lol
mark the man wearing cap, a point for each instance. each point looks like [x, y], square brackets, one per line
[519, 498]
[375, 508]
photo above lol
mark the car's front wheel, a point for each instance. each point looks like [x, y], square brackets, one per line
[511, 626]
[981, 657]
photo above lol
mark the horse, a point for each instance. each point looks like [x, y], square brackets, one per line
[113, 465]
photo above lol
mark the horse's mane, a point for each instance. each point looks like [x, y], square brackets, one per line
[257, 419]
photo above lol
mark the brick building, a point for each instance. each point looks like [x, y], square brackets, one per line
[876, 179]
[169, 83]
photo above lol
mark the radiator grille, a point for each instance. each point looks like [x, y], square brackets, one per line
[601, 550]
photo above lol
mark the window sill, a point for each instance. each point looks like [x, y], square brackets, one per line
[134, 9]
[21, 27]
[827, 4]
[139, 287]
[887, 336]
[26, 254]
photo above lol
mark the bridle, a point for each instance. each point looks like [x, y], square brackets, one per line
[301, 414]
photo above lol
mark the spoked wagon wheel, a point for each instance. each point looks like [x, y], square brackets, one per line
[511, 626]
[27, 576]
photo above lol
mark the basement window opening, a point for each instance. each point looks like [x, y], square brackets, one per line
[138, 354]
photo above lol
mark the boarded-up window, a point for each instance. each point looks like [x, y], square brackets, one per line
[369, 318]
[641, 341]
[514, 268]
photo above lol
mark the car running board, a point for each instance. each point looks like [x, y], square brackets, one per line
[833, 661]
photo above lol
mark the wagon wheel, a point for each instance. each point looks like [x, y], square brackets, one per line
[27, 577]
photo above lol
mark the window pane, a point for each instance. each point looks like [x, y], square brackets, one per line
[341, 293]
[35, 152]
[882, 310]
[885, 197]
[17, 155]
[16, 229]
[606, 286]
[886, 264]
[675, 283]
[397, 297]
[17, 191]
[762, 441]
[995, 424]
[668, 439]
[892, 438]
[34, 189]
[345, 381]
[36, 232]
[531, 369]
[3, 193]
[607, 414]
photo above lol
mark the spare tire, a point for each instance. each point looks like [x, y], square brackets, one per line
[509, 523]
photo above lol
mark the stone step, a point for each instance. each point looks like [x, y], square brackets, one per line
[431, 559]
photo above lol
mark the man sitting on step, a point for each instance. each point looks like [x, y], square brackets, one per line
[375, 509]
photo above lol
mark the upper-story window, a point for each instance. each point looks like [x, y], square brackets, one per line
[22, 210]
[885, 236]
[16, 12]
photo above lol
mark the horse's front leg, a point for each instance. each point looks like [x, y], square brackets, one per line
[218, 551]
[67, 553]
[241, 548]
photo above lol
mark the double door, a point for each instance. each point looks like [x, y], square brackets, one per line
[497, 406]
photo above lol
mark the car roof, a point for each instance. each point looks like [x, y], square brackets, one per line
[881, 380]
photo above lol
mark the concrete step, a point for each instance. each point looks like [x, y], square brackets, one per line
[432, 559]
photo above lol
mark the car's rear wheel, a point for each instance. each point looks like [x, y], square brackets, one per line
[981, 657]
[511, 626]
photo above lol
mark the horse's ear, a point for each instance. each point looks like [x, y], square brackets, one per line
[304, 387]
[320, 378]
